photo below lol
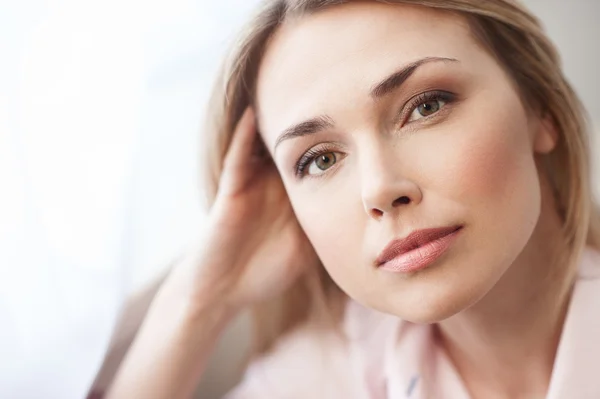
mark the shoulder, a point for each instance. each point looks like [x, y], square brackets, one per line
[578, 356]
[309, 361]
[589, 265]
[315, 361]
[586, 295]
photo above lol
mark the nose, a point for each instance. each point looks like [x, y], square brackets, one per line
[385, 190]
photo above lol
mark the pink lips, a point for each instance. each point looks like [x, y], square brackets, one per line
[418, 250]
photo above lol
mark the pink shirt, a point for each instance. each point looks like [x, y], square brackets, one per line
[390, 358]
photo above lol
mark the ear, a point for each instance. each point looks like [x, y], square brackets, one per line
[545, 136]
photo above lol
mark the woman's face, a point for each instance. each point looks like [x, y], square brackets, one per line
[370, 151]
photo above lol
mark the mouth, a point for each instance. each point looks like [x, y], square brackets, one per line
[418, 250]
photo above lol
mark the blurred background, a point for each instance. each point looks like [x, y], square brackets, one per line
[101, 105]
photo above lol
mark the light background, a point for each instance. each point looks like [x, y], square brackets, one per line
[100, 110]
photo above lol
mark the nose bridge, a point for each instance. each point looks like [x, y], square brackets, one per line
[385, 186]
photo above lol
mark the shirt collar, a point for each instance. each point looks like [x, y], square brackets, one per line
[415, 369]
[577, 363]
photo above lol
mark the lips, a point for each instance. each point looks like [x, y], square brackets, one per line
[414, 240]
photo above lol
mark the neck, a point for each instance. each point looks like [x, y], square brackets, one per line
[505, 345]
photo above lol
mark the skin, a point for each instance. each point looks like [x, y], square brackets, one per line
[253, 249]
[473, 161]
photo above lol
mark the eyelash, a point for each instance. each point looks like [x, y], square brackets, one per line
[423, 98]
[309, 156]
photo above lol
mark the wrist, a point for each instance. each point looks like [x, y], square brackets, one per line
[207, 313]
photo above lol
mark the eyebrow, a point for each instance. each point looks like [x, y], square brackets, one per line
[381, 89]
[397, 79]
[310, 126]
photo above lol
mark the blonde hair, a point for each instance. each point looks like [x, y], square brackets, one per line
[517, 41]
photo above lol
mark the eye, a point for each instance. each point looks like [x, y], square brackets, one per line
[321, 163]
[426, 108]
[317, 161]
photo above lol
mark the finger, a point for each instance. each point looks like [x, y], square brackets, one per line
[243, 141]
[240, 166]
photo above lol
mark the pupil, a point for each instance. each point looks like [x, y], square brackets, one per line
[325, 161]
[428, 108]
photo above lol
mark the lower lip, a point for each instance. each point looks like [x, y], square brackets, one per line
[422, 257]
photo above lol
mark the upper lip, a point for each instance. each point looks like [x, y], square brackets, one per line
[414, 240]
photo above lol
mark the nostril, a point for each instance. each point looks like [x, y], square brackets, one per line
[376, 213]
[401, 201]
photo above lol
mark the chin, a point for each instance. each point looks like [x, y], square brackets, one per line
[435, 305]
[429, 315]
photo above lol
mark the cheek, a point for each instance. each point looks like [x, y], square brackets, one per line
[494, 177]
[500, 170]
[333, 219]
[490, 168]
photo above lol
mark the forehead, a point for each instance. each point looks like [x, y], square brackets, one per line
[316, 61]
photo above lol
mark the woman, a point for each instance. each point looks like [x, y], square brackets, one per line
[402, 192]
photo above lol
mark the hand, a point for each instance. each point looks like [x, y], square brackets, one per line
[255, 247]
